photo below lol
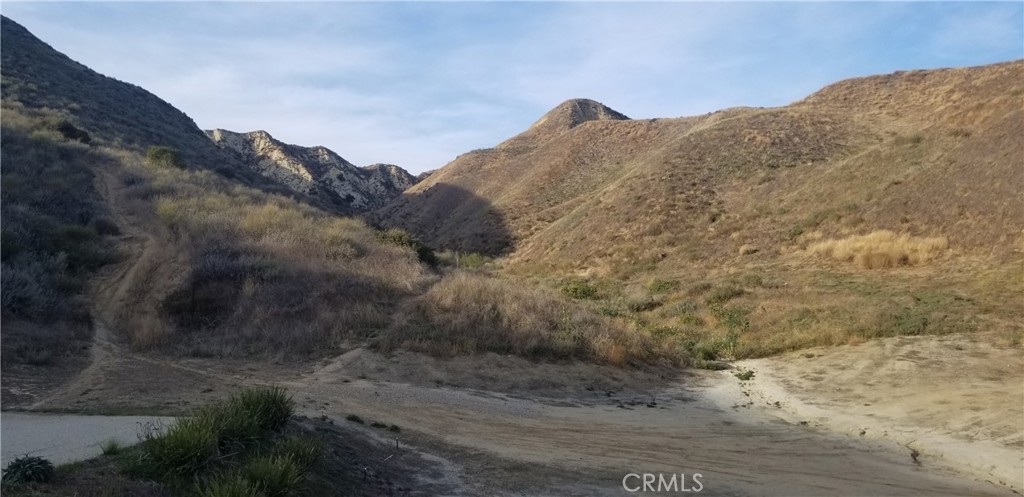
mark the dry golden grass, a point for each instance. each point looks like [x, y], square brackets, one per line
[882, 249]
[470, 313]
[255, 274]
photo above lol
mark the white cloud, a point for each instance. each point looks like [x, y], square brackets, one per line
[419, 83]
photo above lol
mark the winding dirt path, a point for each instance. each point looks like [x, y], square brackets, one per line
[708, 426]
[125, 294]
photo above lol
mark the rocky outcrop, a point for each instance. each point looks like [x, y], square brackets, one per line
[312, 170]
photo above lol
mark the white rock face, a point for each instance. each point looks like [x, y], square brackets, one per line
[311, 170]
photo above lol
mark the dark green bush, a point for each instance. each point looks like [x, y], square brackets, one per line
[187, 448]
[271, 407]
[27, 469]
[273, 475]
[47, 199]
[161, 156]
[579, 290]
[71, 132]
[402, 238]
[305, 451]
[196, 443]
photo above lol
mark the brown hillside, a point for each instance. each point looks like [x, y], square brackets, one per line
[879, 206]
[929, 152]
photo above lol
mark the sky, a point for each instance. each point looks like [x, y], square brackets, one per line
[418, 83]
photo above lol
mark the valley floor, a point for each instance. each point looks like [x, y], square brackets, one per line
[496, 425]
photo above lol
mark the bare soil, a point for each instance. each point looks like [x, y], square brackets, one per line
[954, 399]
[575, 434]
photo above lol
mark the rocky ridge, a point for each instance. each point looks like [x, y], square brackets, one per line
[311, 170]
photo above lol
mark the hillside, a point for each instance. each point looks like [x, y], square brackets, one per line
[138, 233]
[115, 113]
[317, 170]
[885, 150]
[183, 251]
[789, 216]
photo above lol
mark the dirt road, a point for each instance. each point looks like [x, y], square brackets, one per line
[706, 425]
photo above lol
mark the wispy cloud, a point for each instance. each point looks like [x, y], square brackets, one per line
[419, 83]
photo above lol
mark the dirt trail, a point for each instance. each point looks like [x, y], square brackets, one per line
[707, 426]
[150, 264]
[124, 294]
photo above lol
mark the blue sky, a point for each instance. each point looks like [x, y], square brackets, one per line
[416, 84]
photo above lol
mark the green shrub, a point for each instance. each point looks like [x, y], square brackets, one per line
[303, 450]
[723, 294]
[662, 286]
[229, 485]
[193, 444]
[690, 318]
[909, 321]
[472, 260]
[355, 419]
[398, 236]
[71, 132]
[112, 447]
[642, 304]
[578, 289]
[733, 317]
[273, 475]
[187, 448]
[402, 238]
[271, 407]
[167, 157]
[235, 429]
[27, 469]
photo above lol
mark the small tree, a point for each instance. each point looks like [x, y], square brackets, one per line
[161, 156]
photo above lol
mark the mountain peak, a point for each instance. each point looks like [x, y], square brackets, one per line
[576, 111]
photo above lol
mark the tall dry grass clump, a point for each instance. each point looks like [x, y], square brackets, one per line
[882, 249]
[469, 313]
